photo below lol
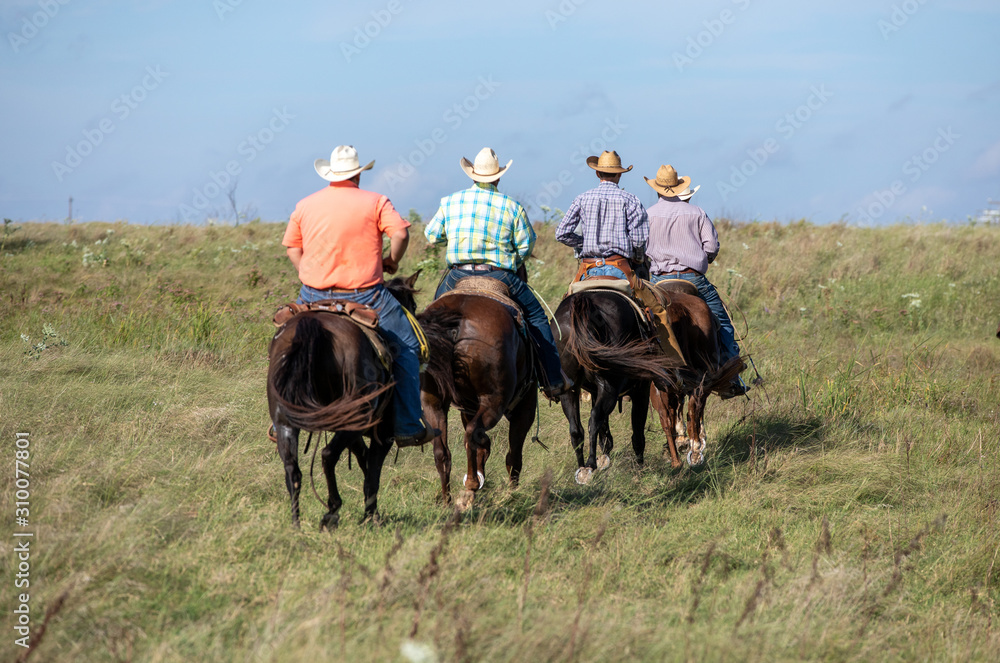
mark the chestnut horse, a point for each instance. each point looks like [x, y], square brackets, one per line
[325, 375]
[696, 331]
[606, 348]
[483, 366]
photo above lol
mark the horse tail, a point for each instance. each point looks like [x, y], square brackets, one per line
[722, 376]
[441, 329]
[594, 348]
[307, 376]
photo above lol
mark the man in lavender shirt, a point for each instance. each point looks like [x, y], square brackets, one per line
[682, 243]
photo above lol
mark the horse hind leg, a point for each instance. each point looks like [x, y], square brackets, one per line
[330, 455]
[436, 413]
[288, 450]
[477, 450]
[520, 424]
[697, 439]
[640, 412]
[373, 477]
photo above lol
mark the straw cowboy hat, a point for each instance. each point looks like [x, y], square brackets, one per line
[486, 168]
[608, 162]
[342, 166]
[668, 184]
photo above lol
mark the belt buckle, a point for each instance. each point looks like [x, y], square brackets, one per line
[600, 262]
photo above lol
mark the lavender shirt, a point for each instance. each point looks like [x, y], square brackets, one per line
[681, 236]
[610, 220]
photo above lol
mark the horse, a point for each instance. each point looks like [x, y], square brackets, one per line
[325, 374]
[696, 331]
[605, 347]
[482, 365]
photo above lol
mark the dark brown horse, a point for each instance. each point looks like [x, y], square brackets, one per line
[606, 348]
[696, 330]
[325, 375]
[481, 365]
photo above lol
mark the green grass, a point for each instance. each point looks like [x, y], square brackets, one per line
[849, 512]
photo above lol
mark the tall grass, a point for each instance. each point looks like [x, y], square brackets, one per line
[849, 511]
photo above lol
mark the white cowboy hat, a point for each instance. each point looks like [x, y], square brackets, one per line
[687, 193]
[486, 167]
[668, 184]
[342, 166]
[608, 162]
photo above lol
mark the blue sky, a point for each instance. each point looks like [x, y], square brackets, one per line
[878, 110]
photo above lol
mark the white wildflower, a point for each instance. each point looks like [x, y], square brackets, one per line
[911, 295]
[915, 303]
[745, 247]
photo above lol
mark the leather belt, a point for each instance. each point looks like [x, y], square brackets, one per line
[684, 271]
[342, 291]
[612, 259]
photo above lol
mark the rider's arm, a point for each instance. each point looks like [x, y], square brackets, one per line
[566, 230]
[524, 236]
[397, 247]
[295, 255]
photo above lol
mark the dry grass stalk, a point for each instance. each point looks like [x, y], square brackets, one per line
[431, 569]
[766, 576]
[386, 577]
[706, 562]
[582, 592]
[541, 507]
[36, 639]
[823, 546]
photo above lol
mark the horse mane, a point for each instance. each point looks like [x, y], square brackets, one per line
[441, 327]
[595, 349]
[299, 377]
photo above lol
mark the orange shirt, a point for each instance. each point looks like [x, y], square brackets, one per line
[339, 230]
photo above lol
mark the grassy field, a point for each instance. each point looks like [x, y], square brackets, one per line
[849, 511]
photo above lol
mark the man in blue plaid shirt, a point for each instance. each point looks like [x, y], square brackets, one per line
[488, 234]
[612, 223]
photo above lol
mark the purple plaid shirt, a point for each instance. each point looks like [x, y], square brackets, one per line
[610, 221]
[681, 236]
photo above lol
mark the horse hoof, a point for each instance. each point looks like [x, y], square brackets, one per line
[695, 460]
[464, 499]
[482, 481]
[329, 522]
[683, 443]
[583, 475]
[604, 462]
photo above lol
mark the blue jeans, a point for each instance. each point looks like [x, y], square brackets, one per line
[727, 335]
[402, 341]
[605, 270]
[538, 323]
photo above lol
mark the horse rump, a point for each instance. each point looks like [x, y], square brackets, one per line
[302, 383]
[440, 326]
[591, 342]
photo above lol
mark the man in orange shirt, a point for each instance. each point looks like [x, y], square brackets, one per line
[334, 240]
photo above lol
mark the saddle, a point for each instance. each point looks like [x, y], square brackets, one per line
[364, 316]
[484, 286]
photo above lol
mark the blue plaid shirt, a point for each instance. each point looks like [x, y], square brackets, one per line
[610, 221]
[482, 225]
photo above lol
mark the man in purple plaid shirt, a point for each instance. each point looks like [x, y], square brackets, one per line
[613, 226]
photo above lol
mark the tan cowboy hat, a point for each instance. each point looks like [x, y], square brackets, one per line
[668, 184]
[486, 167]
[608, 162]
[342, 166]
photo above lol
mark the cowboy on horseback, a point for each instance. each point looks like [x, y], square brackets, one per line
[608, 229]
[682, 243]
[488, 234]
[334, 241]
